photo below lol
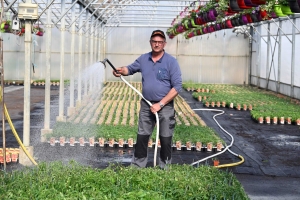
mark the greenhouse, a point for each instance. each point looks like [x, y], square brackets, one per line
[213, 111]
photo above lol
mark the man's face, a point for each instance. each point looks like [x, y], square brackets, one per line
[157, 44]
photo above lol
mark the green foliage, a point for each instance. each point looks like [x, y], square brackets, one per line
[73, 181]
[265, 103]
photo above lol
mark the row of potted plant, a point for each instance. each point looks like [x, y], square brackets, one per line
[261, 103]
[12, 155]
[6, 27]
[192, 137]
[223, 14]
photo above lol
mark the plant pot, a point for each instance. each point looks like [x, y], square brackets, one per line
[261, 120]
[216, 162]
[268, 120]
[72, 141]
[231, 105]
[281, 120]
[294, 6]
[199, 98]
[213, 104]
[218, 104]
[198, 146]
[254, 18]
[209, 146]
[81, 141]
[150, 143]
[207, 104]
[245, 107]
[233, 4]
[238, 107]
[289, 120]
[286, 10]
[178, 145]
[111, 142]
[121, 142]
[298, 122]
[130, 142]
[52, 141]
[62, 141]
[92, 141]
[250, 107]
[188, 145]
[223, 104]
[101, 142]
[278, 11]
[275, 120]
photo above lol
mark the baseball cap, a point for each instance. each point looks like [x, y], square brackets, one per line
[158, 33]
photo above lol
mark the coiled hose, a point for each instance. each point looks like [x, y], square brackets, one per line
[15, 132]
[227, 146]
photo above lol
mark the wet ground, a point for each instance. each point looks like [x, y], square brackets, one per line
[271, 152]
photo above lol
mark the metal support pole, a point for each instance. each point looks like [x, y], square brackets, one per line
[86, 59]
[279, 57]
[293, 60]
[27, 64]
[268, 52]
[258, 59]
[47, 129]
[78, 103]
[99, 42]
[91, 77]
[71, 108]
[61, 116]
[2, 103]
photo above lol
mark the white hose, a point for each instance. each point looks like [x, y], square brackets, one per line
[227, 146]
[156, 115]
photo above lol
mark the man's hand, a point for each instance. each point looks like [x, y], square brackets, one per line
[120, 71]
[155, 108]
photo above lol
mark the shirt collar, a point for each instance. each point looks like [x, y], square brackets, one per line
[160, 60]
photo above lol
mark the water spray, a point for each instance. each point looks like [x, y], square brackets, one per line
[140, 94]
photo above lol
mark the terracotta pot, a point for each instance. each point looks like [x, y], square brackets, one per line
[101, 142]
[178, 145]
[275, 120]
[298, 121]
[213, 104]
[218, 104]
[198, 146]
[281, 120]
[62, 141]
[289, 120]
[199, 98]
[223, 104]
[260, 120]
[245, 107]
[216, 162]
[268, 120]
[238, 107]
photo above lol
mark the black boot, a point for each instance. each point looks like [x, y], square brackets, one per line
[141, 146]
[166, 150]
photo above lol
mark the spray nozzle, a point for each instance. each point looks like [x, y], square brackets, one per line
[106, 60]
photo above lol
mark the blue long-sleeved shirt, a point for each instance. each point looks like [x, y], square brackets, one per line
[157, 78]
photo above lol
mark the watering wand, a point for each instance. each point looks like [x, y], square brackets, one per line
[140, 94]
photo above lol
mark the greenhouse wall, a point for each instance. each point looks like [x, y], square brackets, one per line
[14, 55]
[275, 65]
[219, 57]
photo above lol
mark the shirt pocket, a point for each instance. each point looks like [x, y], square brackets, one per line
[162, 74]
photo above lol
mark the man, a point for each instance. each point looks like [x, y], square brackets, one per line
[161, 80]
